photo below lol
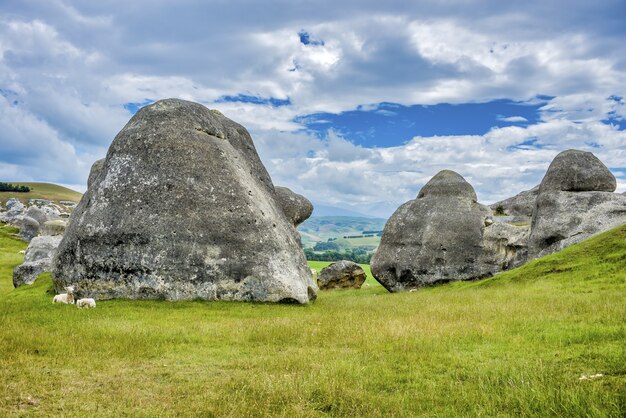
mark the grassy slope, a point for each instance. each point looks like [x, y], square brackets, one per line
[42, 191]
[515, 344]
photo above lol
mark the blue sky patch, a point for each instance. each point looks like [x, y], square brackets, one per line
[305, 39]
[133, 107]
[244, 98]
[392, 124]
[613, 118]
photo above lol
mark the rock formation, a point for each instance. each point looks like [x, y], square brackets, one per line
[520, 205]
[341, 275]
[37, 259]
[438, 237]
[445, 235]
[182, 208]
[56, 227]
[14, 211]
[29, 228]
[577, 171]
[96, 169]
[296, 207]
[575, 201]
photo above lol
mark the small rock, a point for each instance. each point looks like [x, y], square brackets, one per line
[56, 227]
[342, 274]
[29, 228]
[37, 214]
[37, 259]
[296, 207]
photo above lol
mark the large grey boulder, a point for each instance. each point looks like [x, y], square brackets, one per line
[577, 171]
[182, 209]
[37, 259]
[436, 238]
[568, 209]
[342, 274]
[296, 207]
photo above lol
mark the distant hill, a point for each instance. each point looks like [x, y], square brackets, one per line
[46, 191]
[321, 228]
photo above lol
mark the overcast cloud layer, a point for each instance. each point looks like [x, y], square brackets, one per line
[69, 69]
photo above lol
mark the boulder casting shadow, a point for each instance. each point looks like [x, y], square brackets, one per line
[182, 208]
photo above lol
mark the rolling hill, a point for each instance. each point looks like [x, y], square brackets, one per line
[46, 191]
[321, 228]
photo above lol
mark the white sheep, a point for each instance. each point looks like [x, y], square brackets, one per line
[22, 252]
[86, 303]
[67, 298]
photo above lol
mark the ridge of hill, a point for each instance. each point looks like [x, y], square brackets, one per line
[48, 191]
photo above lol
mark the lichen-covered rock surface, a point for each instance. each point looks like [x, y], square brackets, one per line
[575, 201]
[577, 171]
[37, 260]
[520, 205]
[182, 208]
[342, 274]
[296, 207]
[433, 239]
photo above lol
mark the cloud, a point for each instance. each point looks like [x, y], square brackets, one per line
[378, 180]
[513, 119]
[70, 72]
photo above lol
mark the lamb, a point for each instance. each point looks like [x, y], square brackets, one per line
[86, 303]
[67, 298]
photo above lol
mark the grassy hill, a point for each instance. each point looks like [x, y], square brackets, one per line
[513, 345]
[321, 228]
[47, 191]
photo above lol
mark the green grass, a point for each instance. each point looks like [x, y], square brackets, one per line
[47, 191]
[512, 345]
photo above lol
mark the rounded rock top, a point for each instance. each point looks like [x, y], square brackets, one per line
[578, 171]
[448, 183]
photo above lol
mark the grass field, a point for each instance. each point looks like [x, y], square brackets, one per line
[42, 191]
[513, 345]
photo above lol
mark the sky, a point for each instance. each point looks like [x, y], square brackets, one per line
[354, 104]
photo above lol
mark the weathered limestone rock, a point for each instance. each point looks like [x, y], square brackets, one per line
[96, 169]
[37, 259]
[577, 171]
[29, 228]
[569, 209]
[435, 238]
[296, 207]
[56, 227]
[37, 214]
[519, 205]
[565, 218]
[505, 246]
[342, 274]
[14, 211]
[182, 209]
